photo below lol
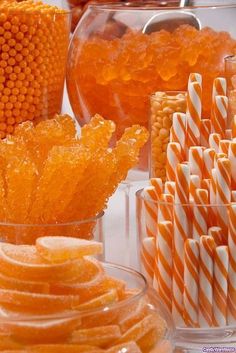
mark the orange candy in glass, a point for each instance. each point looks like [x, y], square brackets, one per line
[55, 321]
[34, 40]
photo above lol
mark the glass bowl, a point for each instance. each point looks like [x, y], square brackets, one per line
[99, 327]
[114, 66]
[34, 47]
[91, 228]
[193, 274]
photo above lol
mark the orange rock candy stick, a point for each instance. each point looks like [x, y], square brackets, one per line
[178, 132]
[205, 130]
[220, 108]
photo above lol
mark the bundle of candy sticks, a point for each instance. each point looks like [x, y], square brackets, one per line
[189, 252]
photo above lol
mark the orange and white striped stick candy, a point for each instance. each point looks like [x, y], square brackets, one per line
[181, 233]
[234, 127]
[165, 208]
[216, 233]
[233, 196]
[200, 213]
[213, 211]
[224, 146]
[193, 113]
[220, 286]
[165, 231]
[206, 184]
[178, 132]
[195, 77]
[150, 210]
[205, 131]
[218, 89]
[232, 158]
[207, 249]
[191, 282]
[195, 183]
[218, 156]
[208, 161]
[196, 160]
[220, 109]
[228, 134]
[223, 193]
[232, 265]
[173, 158]
[158, 185]
[214, 141]
[169, 187]
[147, 257]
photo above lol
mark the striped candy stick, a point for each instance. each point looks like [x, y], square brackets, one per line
[170, 187]
[208, 162]
[232, 265]
[223, 194]
[220, 109]
[214, 141]
[228, 134]
[148, 257]
[205, 131]
[216, 233]
[207, 249]
[200, 213]
[218, 156]
[196, 160]
[219, 89]
[173, 158]
[194, 184]
[232, 158]
[213, 210]
[181, 233]
[150, 210]
[165, 236]
[191, 282]
[233, 196]
[206, 184]
[193, 113]
[224, 146]
[178, 132]
[195, 77]
[158, 185]
[234, 126]
[165, 208]
[220, 286]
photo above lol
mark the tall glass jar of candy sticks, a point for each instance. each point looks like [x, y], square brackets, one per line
[187, 224]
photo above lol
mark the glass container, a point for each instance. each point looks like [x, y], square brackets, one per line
[91, 228]
[230, 74]
[163, 105]
[34, 45]
[116, 61]
[187, 252]
[98, 327]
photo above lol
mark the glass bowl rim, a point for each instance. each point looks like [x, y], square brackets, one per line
[109, 5]
[87, 312]
[47, 225]
[139, 196]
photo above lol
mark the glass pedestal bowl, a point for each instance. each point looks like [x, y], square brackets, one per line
[115, 65]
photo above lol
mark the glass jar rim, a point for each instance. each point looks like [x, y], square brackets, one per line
[171, 95]
[87, 312]
[48, 225]
[141, 197]
[139, 5]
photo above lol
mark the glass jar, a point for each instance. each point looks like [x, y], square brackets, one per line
[101, 327]
[114, 66]
[187, 252]
[91, 228]
[34, 46]
[163, 105]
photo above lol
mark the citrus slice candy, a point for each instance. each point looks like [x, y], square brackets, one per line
[133, 315]
[128, 347]
[148, 341]
[24, 263]
[100, 301]
[7, 282]
[99, 336]
[60, 249]
[36, 332]
[63, 348]
[38, 303]
[140, 329]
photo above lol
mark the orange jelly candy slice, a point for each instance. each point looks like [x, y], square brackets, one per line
[129, 347]
[38, 303]
[102, 300]
[99, 336]
[7, 282]
[60, 249]
[23, 262]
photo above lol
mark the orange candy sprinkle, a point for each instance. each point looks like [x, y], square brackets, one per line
[25, 61]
